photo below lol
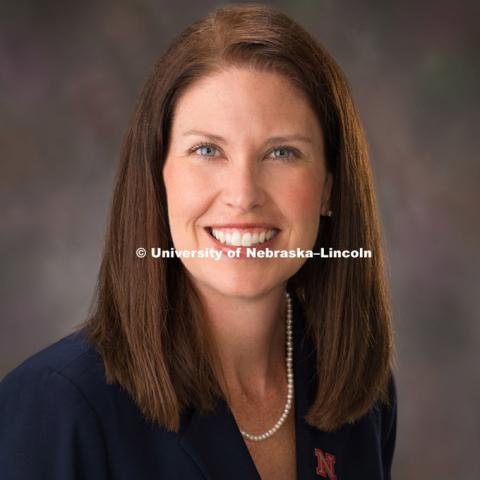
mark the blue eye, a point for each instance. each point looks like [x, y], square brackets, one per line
[284, 153]
[204, 150]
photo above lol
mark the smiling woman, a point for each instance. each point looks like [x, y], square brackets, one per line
[225, 366]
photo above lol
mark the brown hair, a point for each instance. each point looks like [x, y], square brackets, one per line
[146, 315]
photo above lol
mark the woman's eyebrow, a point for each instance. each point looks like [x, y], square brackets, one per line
[271, 140]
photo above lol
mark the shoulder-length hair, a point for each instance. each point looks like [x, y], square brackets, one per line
[146, 317]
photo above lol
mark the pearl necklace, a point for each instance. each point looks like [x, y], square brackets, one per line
[288, 405]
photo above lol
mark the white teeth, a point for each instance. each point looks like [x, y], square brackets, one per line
[245, 239]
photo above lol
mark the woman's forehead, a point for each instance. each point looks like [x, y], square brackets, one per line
[264, 102]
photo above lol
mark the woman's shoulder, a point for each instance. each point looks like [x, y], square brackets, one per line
[384, 413]
[66, 379]
[46, 406]
[68, 374]
[71, 358]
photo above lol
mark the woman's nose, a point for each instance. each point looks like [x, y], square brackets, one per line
[242, 189]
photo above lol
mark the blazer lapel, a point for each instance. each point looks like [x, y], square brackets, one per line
[216, 445]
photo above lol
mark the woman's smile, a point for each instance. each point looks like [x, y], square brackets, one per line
[245, 238]
[239, 239]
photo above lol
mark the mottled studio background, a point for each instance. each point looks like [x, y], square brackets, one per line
[70, 73]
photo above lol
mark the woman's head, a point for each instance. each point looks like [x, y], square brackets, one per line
[244, 73]
[245, 161]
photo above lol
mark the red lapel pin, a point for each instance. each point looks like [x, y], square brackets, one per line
[325, 464]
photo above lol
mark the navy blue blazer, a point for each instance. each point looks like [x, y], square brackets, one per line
[60, 420]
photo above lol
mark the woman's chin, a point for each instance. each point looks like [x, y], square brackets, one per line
[235, 286]
[242, 280]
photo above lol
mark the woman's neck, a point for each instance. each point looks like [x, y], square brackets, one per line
[249, 335]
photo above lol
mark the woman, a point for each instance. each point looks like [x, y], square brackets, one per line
[245, 136]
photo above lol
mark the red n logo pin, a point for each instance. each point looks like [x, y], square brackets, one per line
[325, 464]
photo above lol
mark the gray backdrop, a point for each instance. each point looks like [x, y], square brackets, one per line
[70, 73]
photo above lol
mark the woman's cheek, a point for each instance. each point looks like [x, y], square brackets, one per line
[302, 195]
[189, 187]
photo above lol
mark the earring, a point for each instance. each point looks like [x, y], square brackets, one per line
[329, 213]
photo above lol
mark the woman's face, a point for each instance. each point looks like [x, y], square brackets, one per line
[246, 157]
